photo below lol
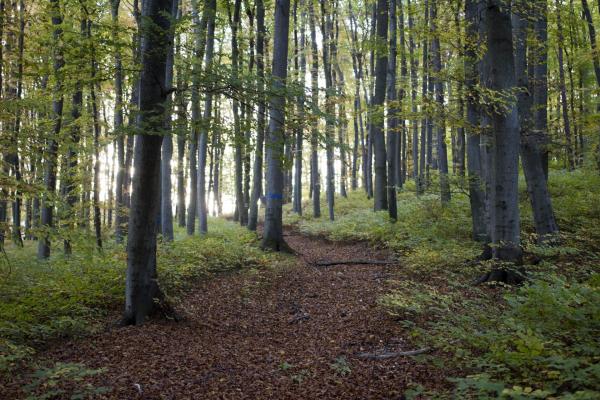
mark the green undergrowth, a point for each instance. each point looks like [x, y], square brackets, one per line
[536, 341]
[72, 296]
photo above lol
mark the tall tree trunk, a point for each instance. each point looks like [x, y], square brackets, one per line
[210, 12]
[563, 88]
[96, 130]
[474, 167]
[47, 221]
[141, 282]
[118, 125]
[503, 135]
[257, 172]
[442, 155]
[238, 137]
[540, 86]
[70, 175]
[182, 129]
[531, 160]
[423, 153]
[392, 114]
[166, 212]
[460, 131]
[199, 45]
[381, 181]
[273, 231]
[402, 164]
[314, 136]
[300, 69]
[326, 30]
[414, 81]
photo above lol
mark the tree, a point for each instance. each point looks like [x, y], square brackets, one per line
[210, 13]
[380, 187]
[52, 149]
[392, 114]
[501, 125]
[141, 282]
[315, 179]
[257, 172]
[273, 230]
[439, 97]
[166, 212]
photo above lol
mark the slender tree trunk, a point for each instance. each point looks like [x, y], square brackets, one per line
[182, 126]
[273, 231]
[531, 160]
[442, 155]
[300, 69]
[392, 114]
[166, 212]
[314, 140]
[381, 181]
[422, 156]
[563, 88]
[199, 45]
[96, 130]
[460, 131]
[47, 221]
[260, 125]
[70, 175]
[414, 81]
[326, 30]
[118, 126]
[474, 167]
[141, 282]
[238, 137]
[540, 81]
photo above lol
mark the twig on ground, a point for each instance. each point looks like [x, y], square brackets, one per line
[354, 262]
[384, 356]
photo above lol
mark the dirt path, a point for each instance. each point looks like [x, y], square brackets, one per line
[290, 332]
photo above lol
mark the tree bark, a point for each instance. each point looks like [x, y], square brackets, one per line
[474, 167]
[273, 229]
[498, 75]
[141, 282]
[392, 114]
[47, 221]
[442, 155]
[166, 212]
[537, 188]
[314, 136]
[257, 168]
[381, 181]
[210, 14]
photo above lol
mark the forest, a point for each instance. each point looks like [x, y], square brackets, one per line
[299, 199]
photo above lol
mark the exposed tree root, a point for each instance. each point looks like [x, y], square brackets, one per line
[354, 262]
[502, 275]
[385, 356]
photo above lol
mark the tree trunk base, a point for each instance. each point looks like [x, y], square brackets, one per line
[277, 245]
[161, 308]
[510, 276]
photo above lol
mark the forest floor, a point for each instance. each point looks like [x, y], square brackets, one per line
[294, 330]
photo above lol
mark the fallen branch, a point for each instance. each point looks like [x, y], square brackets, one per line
[355, 262]
[384, 356]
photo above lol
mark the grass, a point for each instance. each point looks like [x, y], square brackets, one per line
[539, 340]
[72, 296]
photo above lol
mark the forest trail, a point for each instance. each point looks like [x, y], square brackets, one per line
[291, 332]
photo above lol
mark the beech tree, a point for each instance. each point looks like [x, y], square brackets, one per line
[141, 283]
[273, 231]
